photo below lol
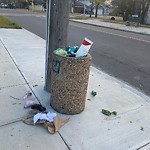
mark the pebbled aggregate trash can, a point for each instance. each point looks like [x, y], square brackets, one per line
[69, 82]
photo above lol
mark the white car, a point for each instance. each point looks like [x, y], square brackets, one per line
[3, 5]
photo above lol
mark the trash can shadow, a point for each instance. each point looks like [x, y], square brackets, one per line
[69, 82]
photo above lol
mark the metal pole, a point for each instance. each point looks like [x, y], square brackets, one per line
[47, 57]
[56, 37]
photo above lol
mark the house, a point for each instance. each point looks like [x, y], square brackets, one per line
[102, 9]
[79, 6]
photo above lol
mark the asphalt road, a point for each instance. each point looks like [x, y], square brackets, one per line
[124, 55]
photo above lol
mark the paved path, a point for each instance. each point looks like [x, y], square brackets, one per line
[22, 67]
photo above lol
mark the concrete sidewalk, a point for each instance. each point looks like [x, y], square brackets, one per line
[122, 27]
[22, 63]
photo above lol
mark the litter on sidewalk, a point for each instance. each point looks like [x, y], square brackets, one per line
[38, 107]
[41, 116]
[93, 93]
[108, 113]
[28, 100]
[49, 120]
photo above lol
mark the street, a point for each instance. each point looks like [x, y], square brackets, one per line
[124, 55]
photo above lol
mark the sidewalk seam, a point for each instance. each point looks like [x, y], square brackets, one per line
[5, 124]
[143, 146]
[64, 141]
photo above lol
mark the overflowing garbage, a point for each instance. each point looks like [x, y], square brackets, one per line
[76, 51]
[69, 78]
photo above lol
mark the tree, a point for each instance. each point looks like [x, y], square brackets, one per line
[125, 8]
[97, 3]
[143, 6]
[129, 7]
[91, 9]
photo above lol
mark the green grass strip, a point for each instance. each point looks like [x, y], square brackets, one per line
[5, 23]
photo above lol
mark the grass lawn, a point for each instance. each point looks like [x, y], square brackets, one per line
[5, 23]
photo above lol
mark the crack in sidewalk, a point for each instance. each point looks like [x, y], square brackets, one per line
[11, 122]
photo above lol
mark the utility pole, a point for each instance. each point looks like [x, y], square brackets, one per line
[91, 12]
[84, 9]
[56, 34]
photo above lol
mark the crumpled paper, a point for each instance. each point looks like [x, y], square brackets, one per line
[84, 48]
[49, 117]
[50, 121]
[28, 100]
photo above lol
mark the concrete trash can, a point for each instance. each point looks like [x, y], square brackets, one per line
[69, 82]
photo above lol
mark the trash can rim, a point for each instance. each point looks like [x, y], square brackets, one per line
[84, 57]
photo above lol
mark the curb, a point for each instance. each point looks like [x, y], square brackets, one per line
[110, 27]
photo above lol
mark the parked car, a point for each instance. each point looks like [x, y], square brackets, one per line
[8, 5]
[12, 5]
[86, 11]
[3, 5]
